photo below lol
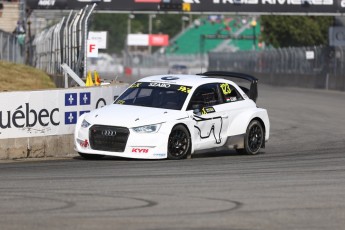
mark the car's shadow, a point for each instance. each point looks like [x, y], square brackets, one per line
[211, 154]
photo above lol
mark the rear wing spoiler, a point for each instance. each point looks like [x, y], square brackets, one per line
[253, 90]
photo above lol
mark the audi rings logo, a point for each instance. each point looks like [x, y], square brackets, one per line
[109, 133]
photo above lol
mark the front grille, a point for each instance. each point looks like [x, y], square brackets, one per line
[108, 138]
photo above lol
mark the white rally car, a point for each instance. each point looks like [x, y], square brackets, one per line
[174, 117]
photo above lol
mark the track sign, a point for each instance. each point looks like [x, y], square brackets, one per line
[92, 48]
[100, 37]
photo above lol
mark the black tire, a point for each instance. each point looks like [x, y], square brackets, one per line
[179, 143]
[253, 139]
[91, 156]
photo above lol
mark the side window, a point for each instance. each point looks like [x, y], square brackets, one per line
[205, 95]
[229, 93]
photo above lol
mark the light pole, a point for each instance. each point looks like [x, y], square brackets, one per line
[151, 16]
[129, 23]
[184, 19]
[253, 24]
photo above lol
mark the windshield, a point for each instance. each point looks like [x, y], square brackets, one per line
[157, 95]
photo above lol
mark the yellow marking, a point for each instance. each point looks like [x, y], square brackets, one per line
[135, 85]
[186, 7]
[203, 111]
[120, 102]
[225, 88]
[184, 89]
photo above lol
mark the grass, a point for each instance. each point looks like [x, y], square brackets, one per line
[18, 77]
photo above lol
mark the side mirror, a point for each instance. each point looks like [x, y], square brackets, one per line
[196, 109]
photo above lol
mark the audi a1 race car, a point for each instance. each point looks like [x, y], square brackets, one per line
[176, 116]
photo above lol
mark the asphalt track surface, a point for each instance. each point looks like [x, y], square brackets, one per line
[297, 182]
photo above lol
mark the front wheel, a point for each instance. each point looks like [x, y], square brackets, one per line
[253, 138]
[91, 156]
[178, 143]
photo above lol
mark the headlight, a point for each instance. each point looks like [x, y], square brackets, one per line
[85, 124]
[147, 128]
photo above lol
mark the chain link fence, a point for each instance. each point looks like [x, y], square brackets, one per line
[312, 67]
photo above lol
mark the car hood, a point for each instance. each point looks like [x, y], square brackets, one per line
[131, 116]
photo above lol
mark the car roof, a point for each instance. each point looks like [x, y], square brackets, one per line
[182, 79]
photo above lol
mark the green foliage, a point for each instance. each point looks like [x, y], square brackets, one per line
[116, 25]
[294, 31]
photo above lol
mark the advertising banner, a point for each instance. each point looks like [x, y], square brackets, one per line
[50, 112]
[147, 40]
[324, 7]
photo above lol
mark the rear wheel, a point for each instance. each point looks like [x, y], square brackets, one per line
[178, 143]
[253, 138]
[91, 156]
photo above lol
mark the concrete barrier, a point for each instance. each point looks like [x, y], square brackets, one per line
[41, 123]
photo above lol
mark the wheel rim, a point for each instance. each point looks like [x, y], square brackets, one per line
[178, 143]
[255, 138]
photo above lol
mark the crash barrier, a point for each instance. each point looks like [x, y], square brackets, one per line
[41, 123]
[11, 47]
[65, 42]
[312, 67]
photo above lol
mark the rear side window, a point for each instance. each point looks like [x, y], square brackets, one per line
[229, 93]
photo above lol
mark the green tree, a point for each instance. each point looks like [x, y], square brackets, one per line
[285, 31]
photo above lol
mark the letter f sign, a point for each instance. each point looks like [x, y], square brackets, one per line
[92, 48]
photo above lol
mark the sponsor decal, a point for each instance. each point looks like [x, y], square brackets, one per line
[184, 89]
[163, 85]
[230, 99]
[135, 85]
[169, 78]
[120, 102]
[46, 2]
[84, 143]
[23, 116]
[140, 150]
[225, 88]
[159, 154]
[207, 110]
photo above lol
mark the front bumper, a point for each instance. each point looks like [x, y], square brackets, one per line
[136, 145]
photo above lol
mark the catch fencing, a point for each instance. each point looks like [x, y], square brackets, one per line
[65, 42]
[312, 67]
[12, 47]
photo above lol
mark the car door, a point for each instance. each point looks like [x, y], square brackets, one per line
[209, 116]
